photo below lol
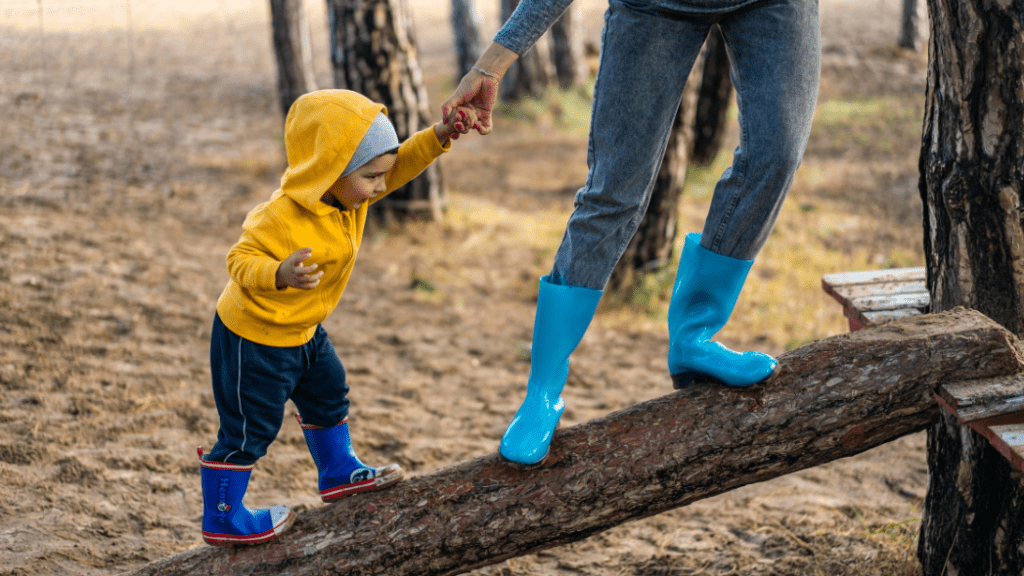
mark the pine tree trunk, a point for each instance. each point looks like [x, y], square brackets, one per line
[972, 179]
[466, 22]
[295, 75]
[567, 48]
[912, 25]
[713, 101]
[651, 247]
[532, 72]
[373, 52]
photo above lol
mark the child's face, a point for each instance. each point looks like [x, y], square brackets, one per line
[363, 184]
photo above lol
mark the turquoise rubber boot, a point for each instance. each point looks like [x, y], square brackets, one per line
[707, 287]
[562, 317]
[226, 520]
[341, 472]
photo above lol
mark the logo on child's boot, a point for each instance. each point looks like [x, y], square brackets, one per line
[222, 492]
[361, 474]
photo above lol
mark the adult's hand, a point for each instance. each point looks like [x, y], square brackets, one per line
[479, 90]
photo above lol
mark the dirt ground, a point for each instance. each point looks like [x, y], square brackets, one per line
[128, 159]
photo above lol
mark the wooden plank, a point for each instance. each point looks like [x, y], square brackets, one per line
[1009, 440]
[883, 316]
[839, 279]
[855, 291]
[917, 301]
[974, 400]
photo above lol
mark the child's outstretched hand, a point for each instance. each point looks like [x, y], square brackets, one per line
[292, 273]
[461, 121]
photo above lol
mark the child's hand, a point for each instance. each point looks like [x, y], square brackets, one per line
[459, 122]
[292, 273]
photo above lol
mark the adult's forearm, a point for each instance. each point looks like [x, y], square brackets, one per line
[530, 21]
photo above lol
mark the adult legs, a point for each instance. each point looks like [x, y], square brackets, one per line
[645, 59]
[775, 50]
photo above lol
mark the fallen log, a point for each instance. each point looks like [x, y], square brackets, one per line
[831, 399]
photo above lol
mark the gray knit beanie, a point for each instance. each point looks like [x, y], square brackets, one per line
[379, 138]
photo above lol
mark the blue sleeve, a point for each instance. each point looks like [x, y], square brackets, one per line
[530, 21]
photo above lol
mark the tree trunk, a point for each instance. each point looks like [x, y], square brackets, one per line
[713, 101]
[650, 249]
[912, 22]
[532, 73]
[373, 52]
[567, 48]
[295, 75]
[832, 399]
[466, 21]
[971, 185]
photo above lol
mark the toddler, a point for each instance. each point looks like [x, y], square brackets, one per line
[288, 270]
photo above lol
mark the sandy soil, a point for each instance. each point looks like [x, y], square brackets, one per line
[124, 177]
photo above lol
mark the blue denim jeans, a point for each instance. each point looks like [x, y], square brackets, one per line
[646, 56]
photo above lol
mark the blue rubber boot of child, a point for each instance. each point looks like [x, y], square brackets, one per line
[226, 520]
[706, 289]
[341, 471]
[562, 317]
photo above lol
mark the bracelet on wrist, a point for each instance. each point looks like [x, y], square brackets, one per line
[486, 73]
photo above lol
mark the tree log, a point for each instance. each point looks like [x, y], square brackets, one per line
[830, 399]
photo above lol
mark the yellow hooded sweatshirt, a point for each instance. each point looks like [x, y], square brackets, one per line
[322, 131]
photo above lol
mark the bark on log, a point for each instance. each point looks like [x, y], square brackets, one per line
[834, 398]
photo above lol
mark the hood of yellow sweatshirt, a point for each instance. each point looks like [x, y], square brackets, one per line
[321, 133]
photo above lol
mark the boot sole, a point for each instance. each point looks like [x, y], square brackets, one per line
[685, 379]
[232, 541]
[389, 475]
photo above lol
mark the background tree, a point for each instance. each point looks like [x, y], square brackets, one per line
[466, 21]
[912, 24]
[971, 183]
[567, 48]
[532, 73]
[295, 75]
[713, 100]
[374, 53]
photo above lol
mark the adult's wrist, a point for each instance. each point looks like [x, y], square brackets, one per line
[495, 61]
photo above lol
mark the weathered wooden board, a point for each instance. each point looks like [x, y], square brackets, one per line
[987, 398]
[830, 399]
[878, 296]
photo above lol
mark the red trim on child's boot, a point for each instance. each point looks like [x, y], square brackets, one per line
[249, 539]
[222, 465]
[386, 476]
[312, 427]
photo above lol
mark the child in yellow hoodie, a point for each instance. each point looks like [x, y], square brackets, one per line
[287, 273]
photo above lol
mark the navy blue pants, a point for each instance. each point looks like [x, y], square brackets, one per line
[252, 382]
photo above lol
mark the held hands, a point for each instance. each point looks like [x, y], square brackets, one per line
[461, 122]
[292, 273]
[478, 93]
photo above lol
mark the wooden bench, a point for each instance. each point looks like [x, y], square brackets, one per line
[878, 296]
[994, 407]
